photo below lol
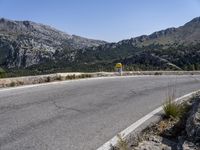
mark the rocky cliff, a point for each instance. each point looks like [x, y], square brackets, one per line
[24, 43]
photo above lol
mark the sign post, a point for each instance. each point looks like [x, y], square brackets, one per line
[118, 67]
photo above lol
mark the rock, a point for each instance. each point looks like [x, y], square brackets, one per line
[189, 146]
[188, 140]
[193, 122]
[150, 145]
[25, 43]
[156, 143]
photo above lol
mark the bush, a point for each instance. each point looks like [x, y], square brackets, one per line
[68, 77]
[20, 83]
[85, 76]
[88, 75]
[12, 84]
[48, 79]
[158, 73]
[2, 73]
[59, 78]
[173, 109]
[121, 143]
[71, 77]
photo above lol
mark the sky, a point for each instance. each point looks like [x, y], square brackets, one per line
[109, 20]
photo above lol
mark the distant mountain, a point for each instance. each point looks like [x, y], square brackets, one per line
[186, 34]
[42, 49]
[173, 48]
[24, 43]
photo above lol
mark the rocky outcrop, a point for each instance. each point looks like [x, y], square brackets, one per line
[188, 138]
[25, 43]
[193, 123]
[156, 143]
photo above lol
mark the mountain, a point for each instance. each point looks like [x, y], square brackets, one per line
[36, 48]
[24, 43]
[186, 34]
[173, 48]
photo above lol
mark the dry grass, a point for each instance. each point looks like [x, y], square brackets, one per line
[173, 109]
[12, 84]
[121, 143]
[40, 79]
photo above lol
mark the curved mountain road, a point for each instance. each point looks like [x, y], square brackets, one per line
[81, 115]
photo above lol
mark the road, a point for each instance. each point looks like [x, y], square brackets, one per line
[81, 115]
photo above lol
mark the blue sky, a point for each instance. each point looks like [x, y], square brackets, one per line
[110, 20]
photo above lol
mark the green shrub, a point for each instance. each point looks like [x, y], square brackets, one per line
[121, 143]
[88, 75]
[12, 84]
[73, 76]
[20, 83]
[82, 76]
[173, 109]
[158, 73]
[70, 77]
[2, 73]
[48, 79]
[59, 78]
[85, 76]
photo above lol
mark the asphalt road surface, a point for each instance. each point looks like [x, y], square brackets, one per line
[81, 115]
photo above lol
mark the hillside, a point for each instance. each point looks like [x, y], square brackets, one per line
[25, 43]
[184, 35]
[30, 47]
[173, 48]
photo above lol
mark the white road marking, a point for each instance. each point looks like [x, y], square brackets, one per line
[135, 125]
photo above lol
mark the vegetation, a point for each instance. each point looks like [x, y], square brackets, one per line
[121, 143]
[59, 78]
[170, 49]
[2, 73]
[152, 57]
[48, 79]
[12, 84]
[173, 109]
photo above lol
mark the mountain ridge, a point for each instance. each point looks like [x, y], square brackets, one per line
[49, 48]
[152, 49]
[22, 41]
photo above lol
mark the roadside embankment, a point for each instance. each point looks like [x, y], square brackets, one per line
[27, 80]
[170, 133]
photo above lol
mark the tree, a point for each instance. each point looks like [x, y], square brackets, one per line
[2, 73]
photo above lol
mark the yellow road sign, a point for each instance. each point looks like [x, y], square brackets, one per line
[118, 65]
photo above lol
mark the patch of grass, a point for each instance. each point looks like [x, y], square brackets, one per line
[121, 143]
[48, 79]
[2, 73]
[12, 84]
[85, 76]
[173, 109]
[59, 78]
[158, 73]
[70, 77]
[20, 83]
[88, 75]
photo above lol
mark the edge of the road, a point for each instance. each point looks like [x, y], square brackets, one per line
[145, 121]
[75, 80]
